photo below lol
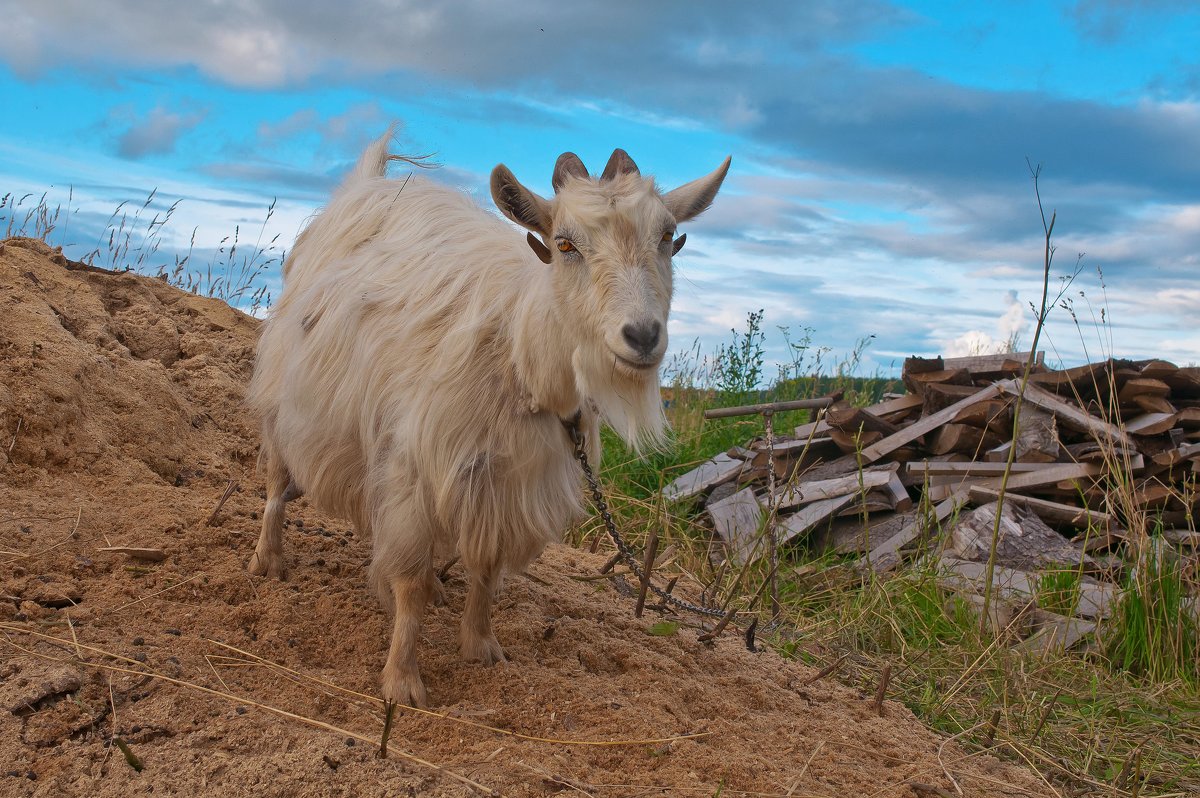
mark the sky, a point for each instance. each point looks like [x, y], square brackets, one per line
[881, 188]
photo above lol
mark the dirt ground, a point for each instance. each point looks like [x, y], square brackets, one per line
[121, 425]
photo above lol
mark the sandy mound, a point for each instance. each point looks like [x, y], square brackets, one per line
[121, 425]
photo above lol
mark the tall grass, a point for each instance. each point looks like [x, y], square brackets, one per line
[134, 238]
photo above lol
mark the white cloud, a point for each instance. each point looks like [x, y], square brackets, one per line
[156, 133]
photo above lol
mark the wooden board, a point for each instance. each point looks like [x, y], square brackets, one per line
[737, 520]
[805, 492]
[919, 469]
[927, 424]
[1024, 541]
[1096, 599]
[886, 555]
[1150, 424]
[1054, 512]
[1003, 364]
[721, 468]
[1067, 413]
[810, 515]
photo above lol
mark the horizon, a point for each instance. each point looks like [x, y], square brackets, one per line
[880, 190]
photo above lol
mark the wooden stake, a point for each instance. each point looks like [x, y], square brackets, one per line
[647, 569]
[884, 678]
[390, 710]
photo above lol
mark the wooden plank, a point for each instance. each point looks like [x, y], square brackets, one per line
[1096, 599]
[1150, 424]
[737, 520]
[848, 535]
[1048, 474]
[1153, 404]
[1142, 386]
[919, 469]
[893, 406]
[901, 501]
[1067, 413]
[917, 383]
[806, 492]
[847, 418]
[720, 468]
[1055, 633]
[1003, 364]
[1055, 512]
[910, 433]
[789, 527]
[886, 555]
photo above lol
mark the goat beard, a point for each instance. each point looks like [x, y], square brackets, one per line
[628, 403]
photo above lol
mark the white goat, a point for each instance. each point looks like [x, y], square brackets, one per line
[415, 373]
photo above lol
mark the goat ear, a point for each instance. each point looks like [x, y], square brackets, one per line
[568, 165]
[539, 249]
[692, 199]
[619, 163]
[678, 245]
[519, 203]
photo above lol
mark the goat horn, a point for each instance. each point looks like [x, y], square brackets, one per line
[567, 165]
[619, 164]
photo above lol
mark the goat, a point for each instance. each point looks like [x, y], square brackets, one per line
[416, 371]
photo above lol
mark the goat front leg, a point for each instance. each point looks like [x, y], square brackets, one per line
[401, 676]
[476, 640]
[267, 559]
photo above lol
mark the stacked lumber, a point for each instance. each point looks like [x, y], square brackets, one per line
[879, 481]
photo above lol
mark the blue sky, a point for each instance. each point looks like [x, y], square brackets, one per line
[879, 183]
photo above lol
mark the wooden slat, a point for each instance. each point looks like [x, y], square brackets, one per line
[1096, 599]
[1047, 510]
[918, 469]
[887, 554]
[737, 520]
[1067, 413]
[810, 515]
[806, 492]
[910, 433]
[721, 468]
[1150, 424]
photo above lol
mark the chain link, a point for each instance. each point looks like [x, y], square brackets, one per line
[623, 548]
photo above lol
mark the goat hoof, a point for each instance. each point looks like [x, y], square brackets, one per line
[404, 688]
[483, 649]
[267, 565]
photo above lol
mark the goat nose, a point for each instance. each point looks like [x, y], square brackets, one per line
[642, 337]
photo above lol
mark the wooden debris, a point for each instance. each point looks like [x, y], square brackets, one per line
[721, 468]
[1024, 540]
[738, 520]
[851, 478]
[1096, 599]
[148, 555]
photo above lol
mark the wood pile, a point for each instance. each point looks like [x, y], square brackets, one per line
[1099, 449]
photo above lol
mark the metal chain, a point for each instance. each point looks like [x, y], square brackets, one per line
[623, 548]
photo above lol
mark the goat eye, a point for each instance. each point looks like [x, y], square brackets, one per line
[666, 236]
[565, 246]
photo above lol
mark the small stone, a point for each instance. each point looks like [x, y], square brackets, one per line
[139, 656]
[350, 741]
[172, 631]
[240, 710]
[139, 641]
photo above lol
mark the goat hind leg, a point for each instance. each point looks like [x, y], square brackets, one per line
[476, 639]
[267, 559]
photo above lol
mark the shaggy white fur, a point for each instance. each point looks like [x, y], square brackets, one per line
[416, 370]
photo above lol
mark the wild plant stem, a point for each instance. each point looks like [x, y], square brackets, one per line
[986, 618]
